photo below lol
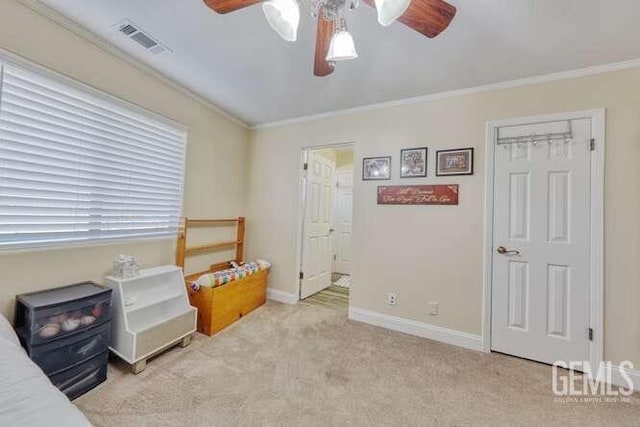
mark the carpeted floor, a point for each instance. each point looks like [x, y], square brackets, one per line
[307, 365]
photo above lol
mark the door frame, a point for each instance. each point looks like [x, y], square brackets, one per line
[302, 205]
[596, 227]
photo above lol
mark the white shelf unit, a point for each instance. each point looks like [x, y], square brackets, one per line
[151, 312]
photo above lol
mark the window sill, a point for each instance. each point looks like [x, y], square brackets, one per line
[80, 245]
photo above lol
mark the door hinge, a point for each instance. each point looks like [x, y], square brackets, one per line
[305, 166]
[592, 144]
[301, 275]
[590, 334]
[335, 257]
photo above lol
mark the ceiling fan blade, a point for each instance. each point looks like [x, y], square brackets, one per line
[324, 33]
[429, 17]
[226, 6]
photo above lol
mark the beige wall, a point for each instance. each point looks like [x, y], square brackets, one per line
[344, 159]
[216, 151]
[329, 154]
[435, 253]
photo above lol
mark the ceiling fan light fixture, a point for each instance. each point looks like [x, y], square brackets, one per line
[390, 10]
[284, 17]
[341, 47]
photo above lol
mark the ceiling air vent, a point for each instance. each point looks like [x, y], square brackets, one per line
[138, 35]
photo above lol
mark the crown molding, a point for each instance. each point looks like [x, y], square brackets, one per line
[54, 16]
[547, 78]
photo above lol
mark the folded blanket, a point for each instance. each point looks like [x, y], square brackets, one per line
[221, 277]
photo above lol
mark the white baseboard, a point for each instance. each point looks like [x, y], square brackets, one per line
[281, 296]
[620, 381]
[411, 327]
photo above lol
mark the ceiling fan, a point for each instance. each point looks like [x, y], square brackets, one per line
[333, 41]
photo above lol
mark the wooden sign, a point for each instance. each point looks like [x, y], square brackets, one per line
[418, 194]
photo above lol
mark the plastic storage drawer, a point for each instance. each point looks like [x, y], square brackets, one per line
[81, 378]
[64, 352]
[49, 315]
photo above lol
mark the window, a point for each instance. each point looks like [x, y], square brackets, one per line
[78, 166]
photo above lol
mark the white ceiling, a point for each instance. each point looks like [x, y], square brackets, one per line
[238, 63]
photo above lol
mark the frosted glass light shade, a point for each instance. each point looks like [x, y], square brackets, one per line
[341, 47]
[390, 10]
[284, 17]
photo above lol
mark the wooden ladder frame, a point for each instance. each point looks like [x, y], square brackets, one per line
[182, 251]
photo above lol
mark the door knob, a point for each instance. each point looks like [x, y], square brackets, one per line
[331, 230]
[504, 251]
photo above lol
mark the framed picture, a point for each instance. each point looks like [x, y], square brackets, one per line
[454, 162]
[376, 168]
[413, 162]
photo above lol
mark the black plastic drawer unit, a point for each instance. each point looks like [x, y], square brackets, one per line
[64, 352]
[52, 314]
[79, 379]
[66, 331]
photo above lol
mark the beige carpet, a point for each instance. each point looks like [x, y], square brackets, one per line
[307, 365]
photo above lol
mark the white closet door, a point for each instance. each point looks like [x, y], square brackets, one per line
[343, 221]
[540, 294]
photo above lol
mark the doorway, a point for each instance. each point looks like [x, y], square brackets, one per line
[326, 225]
[544, 237]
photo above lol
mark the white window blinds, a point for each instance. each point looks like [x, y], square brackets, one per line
[78, 166]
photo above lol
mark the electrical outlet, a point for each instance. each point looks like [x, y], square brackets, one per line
[433, 308]
[392, 299]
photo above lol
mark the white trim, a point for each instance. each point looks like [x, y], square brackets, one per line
[412, 327]
[547, 78]
[64, 245]
[617, 379]
[597, 117]
[596, 275]
[302, 198]
[487, 250]
[281, 296]
[56, 17]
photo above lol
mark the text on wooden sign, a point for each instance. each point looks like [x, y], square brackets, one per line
[418, 194]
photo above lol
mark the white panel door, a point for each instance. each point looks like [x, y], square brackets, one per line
[540, 296]
[317, 248]
[343, 220]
